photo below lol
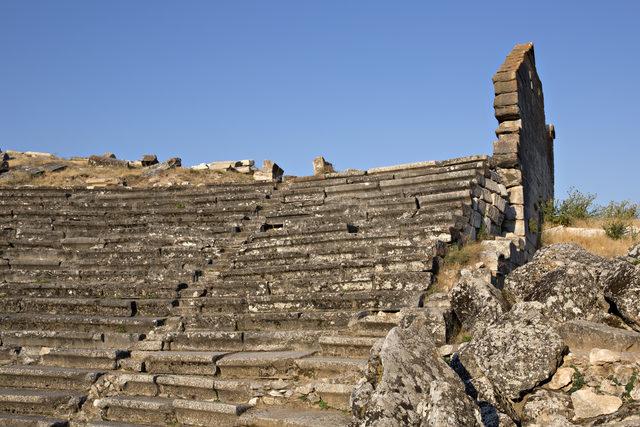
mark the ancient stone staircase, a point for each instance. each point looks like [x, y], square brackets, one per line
[252, 304]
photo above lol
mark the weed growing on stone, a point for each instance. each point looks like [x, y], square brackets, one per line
[577, 380]
[323, 405]
[630, 385]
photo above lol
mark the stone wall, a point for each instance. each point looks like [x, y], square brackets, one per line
[523, 153]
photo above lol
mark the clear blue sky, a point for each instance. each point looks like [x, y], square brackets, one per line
[364, 83]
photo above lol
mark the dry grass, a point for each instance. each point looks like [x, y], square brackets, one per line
[79, 173]
[456, 259]
[598, 244]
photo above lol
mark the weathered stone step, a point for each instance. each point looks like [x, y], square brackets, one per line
[87, 289]
[82, 306]
[44, 338]
[58, 322]
[204, 413]
[83, 358]
[271, 321]
[289, 417]
[38, 274]
[293, 258]
[347, 346]
[336, 301]
[138, 410]
[335, 271]
[47, 377]
[40, 402]
[374, 324]
[165, 411]
[373, 246]
[336, 396]
[16, 420]
[277, 364]
[370, 236]
[179, 362]
[335, 369]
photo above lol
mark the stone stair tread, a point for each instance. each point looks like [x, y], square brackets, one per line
[288, 417]
[89, 353]
[259, 358]
[179, 356]
[136, 402]
[329, 361]
[137, 320]
[18, 420]
[36, 395]
[44, 370]
[347, 340]
[208, 406]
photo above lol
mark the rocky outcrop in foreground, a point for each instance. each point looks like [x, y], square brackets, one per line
[558, 345]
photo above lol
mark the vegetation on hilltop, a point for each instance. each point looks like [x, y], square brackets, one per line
[608, 230]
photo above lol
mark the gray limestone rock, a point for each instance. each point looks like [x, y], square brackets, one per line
[540, 406]
[107, 159]
[407, 383]
[565, 279]
[622, 288]
[475, 301]
[149, 160]
[515, 354]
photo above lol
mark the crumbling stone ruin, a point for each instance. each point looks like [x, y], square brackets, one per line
[307, 301]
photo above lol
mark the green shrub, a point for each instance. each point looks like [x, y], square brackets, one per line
[624, 210]
[615, 228]
[576, 206]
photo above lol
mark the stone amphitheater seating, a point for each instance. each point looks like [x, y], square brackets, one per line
[217, 305]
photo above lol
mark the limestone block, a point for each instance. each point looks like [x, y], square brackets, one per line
[509, 160]
[505, 99]
[587, 404]
[505, 146]
[149, 160]
[509, 126]
[499, 202]
[476, 219]
[505, 86]
[107, 161]
[516, 195]
[223, 165]
[509, 112]
[321, 166]
[561, 378]
[520, 228]
[270, 172]
[511, 177]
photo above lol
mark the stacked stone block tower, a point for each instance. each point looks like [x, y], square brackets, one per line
[250, 304]
[523, 152]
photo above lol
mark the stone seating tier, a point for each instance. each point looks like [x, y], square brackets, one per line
[250, 304]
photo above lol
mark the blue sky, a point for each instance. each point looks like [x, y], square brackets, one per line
[364, 83]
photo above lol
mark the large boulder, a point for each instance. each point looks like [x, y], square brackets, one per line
[512, 356]
[622, 289]
[566, 279]
[407, 383]
[476, 302]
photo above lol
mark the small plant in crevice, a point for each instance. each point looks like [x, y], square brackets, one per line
[577, 380]
[323, 405]
[633, 380]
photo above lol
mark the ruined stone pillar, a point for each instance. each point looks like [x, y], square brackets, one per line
[523, 153]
